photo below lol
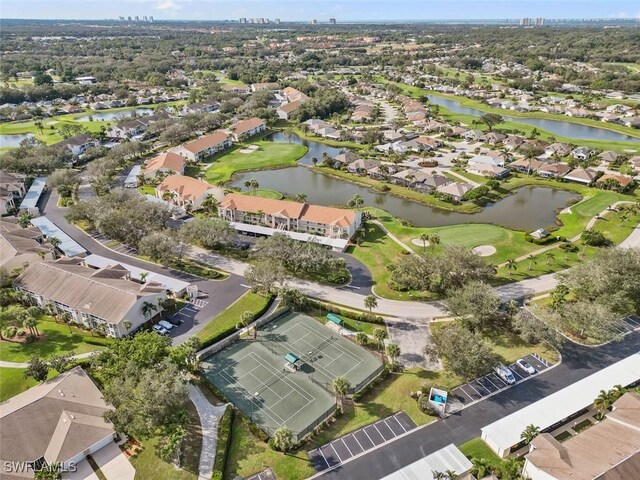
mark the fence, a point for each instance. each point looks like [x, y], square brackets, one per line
[234, 337]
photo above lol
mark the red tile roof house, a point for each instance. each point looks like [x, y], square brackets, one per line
[248, 128]
[187, 192]
[166, 163]
[582, 175]
[204, 147]
[293, 216]
[284, 111]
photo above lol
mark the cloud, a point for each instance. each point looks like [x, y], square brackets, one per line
[168, 6]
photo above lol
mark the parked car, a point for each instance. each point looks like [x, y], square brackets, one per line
[526, 366]
[175, 320]
[505, 374]
[161, 330]
[166, 325]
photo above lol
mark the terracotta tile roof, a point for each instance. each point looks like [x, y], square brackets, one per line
[246, 125]
[168, 160]
[295, 210]
[621, 179]
[290, 107]
[207, 141]
[189, 188]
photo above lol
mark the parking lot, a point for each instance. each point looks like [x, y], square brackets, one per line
[627, 325]
[491, 383]
[341, 449]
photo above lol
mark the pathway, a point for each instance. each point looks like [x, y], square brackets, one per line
[209, 418]
[4, 364]
[393, 237]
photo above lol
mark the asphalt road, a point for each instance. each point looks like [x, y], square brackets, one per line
[218, 294]
[578, 362]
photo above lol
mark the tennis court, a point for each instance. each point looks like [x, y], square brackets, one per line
[254, 374]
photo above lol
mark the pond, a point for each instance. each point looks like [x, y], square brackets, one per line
[316, 149]
[13, 140]
[557, 127]
[107, 116]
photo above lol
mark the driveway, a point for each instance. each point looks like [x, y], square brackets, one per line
[83, 472]
[113, 463]
[633, 240]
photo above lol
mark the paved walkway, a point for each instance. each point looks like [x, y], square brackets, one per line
[633, 240]
[83, 472]
[209, 418]
[4, 364]
[393, 237]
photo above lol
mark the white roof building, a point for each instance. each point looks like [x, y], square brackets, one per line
[503, 434]
[447, 458]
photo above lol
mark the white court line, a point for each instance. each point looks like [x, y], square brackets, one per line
[401, 426]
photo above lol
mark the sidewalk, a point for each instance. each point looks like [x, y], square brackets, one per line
[4, 364]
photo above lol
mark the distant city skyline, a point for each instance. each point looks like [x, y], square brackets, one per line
[322, 10]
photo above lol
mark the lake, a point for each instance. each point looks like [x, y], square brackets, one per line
[557, 127]
[526, 209]
[107, 116]
[13, 140]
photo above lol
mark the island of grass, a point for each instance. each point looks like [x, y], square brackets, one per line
[222, 166]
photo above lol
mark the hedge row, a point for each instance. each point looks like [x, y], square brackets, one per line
[224, 440]
[208, 341]
[359, 316]
[100, 341]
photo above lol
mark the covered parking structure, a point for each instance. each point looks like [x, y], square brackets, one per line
[67, 245]
[336, 244]
[32, 198]
[503, 436]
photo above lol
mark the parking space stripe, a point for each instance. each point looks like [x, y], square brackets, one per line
[376, 427]
[513, 370]
[465, 393]
[365, 432]
[325, 459]
[332, 447]
[401, 426]
[345, 444]
[472, 388]
[358, 442]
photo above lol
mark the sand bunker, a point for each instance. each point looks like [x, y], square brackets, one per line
[484, 250]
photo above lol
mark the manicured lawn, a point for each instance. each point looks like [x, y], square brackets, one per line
[268, 155]
[264, 193]
[150, 467]
[348, 323]
[227, 319]
[147, 190]
[57, 339]
[476, 448]
[12, 382]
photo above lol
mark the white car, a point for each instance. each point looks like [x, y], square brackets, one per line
[526, 366]
[166, 325]
[505, 374]
[161, 330]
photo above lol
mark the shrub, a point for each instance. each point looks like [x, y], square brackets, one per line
[224, 440]
[100, 341]
[30, 338]
[425, 406]
[9, 332]
[383, 187]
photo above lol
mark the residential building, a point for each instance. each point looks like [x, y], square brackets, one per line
[497, 161]
[206, 106]
[582, 153]
[609, 449]
[473, 135]
[285, 110]
[31, 200]
[487, 170]
[259, 87]
[248, 128]
[623, 181]
[346, 158]
[104, 297]
[513, 142]
[12, 190]
[239, 89]
[21, 247]
[429, 182]
[554, 170]
[127, 129]
[58, 421]
[526, 165]
[493, 138]
[362, 165]
[582, 175]
[455, 190]
[187, 192]
[608, 156]
[166, 163]
[558, 149]
[203, 147]
[447, 459]
[293, 95]
[291, 216]
[79, 144]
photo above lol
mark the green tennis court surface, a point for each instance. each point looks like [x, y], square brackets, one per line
[254, 374]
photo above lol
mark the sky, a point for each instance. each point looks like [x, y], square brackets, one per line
[322, 10]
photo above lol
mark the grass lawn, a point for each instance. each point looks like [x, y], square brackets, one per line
[57, 339]
[227, 319]
[150, 467]
[476, 448]
[268, 155]
[376, 252]
[348, 323]
[147, 190]
[264, 193]
[12, 382]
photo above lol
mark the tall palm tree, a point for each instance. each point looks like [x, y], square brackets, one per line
[127, 324]
[532, 262]
[356, 201]
[148, 308]
[143, 276]
[603, 401]
[245, 320]
[480, 467]
[425, 238]
[511, 265]
[393, 352]
[370, 302]
[210, 204]
[341, 387]
[549, 256]
[434, 240]
[379, 334]
[529, 433]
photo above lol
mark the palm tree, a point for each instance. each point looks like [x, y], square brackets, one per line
[425, 238]
[370, 302]
[448, 475]
[283, 439]
[393, 352]
[379, 334]
[603, 401]
[529, 433]
[301, 197]
[434, 240]
[245, 320]
[247, 184]
[54, 241]
[314, 160]
[210, 204]
[143, 276]
[148, 308]
[549, 256]
[511, 266]
[127, 324]
[480, 467]
[341, 387]
[254, 185]
[356, 201]
[532, 262]
[361, 338]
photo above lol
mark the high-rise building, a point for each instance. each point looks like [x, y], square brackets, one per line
[539, 22]
[151, 18]
[121, 18]
[129, 18]
[314, 22]
[332, 21]
[243, 20]
[137, 19]
[276, 21]
[145, 19]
